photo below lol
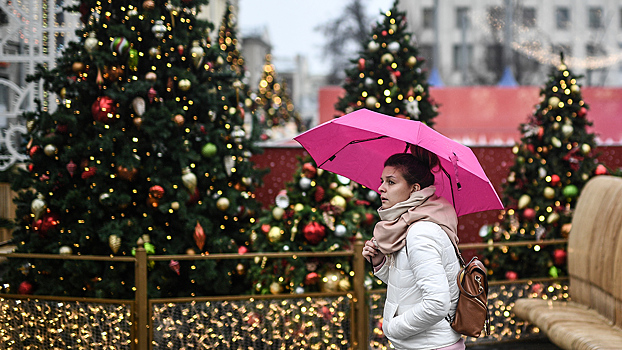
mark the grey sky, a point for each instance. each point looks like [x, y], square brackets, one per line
[291, 24]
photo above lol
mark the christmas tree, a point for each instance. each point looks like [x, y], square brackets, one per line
[245, 98]
[318, 212]
[554, 160]
[387, 77]
[279, 118]
[146, 142]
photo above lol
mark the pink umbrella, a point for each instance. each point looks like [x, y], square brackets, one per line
[357, 144]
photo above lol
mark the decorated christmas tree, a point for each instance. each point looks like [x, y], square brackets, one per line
[245, 98]
[388, 77]
[318, 212]
[145, 142]
[279, 118]
[554, 160]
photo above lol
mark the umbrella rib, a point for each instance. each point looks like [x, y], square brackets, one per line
[331, 158]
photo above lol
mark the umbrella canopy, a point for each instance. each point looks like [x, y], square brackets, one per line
[357, 144]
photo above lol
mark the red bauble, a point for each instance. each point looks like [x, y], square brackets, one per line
[529, 214]
[554, 180]
[31, 167]
[361, 64]
[369, 219]
[25, 288]
[33, 150]
[309, 170]
[104, 109]
[511, 275]
[311, 278]
[88, 172]
[242, 250]
[156, 191]
[45, 223]
[127, 174]
[600, 170]
[151, 94]
[319, 194]
[582, 112]
[314, 232]
[559, 256]
[199, 236]
[265, 228]
[194, 198]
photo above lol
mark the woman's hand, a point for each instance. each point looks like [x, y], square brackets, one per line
[371, 253]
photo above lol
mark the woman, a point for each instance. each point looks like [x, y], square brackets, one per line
[412, 253]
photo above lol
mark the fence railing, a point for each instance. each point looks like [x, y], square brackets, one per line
[141, 334]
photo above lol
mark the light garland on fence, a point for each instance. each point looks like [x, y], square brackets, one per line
[303, 323]
[296, 323]
[42, 324]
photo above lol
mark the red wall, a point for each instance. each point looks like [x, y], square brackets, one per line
[484, 115]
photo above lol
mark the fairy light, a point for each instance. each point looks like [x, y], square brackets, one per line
[531, 43]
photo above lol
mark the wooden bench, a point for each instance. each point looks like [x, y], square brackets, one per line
[592, 319]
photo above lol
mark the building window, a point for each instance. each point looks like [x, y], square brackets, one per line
[463, 56]
[529, 17]
[496, 18]
[494, 58]
[428, 18]
[594, 50]
[566, 49]
[562, 17]
[427, 52]
[462, 17]
[3, 18]
[595, 17]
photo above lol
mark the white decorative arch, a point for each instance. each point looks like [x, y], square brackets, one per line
[26, 41]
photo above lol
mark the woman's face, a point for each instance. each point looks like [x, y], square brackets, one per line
[393, 187]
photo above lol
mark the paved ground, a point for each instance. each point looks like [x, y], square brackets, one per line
[537, 344]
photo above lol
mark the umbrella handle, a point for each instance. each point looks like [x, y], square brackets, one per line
[454, 161]
[451, 186]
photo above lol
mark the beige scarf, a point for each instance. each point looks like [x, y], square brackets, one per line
[390, 232]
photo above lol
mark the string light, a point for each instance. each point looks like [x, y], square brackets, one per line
[531, 43]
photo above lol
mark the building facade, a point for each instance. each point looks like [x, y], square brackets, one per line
[467, 42]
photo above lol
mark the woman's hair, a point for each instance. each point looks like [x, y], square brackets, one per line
[416, 167]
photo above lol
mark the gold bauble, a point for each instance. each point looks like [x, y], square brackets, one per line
[524, 201]
[345, 192]
[223, 203]
[275, 234]
[412, 60]
[339, 202]
[549, 193]
[148, 5]
[277, 213]
[275, 288]
[184, 85]
[554, 102]
[330, 281]
[344, 284]
[240, 269]
[77, 67]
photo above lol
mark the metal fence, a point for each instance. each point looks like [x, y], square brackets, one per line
[336, 320]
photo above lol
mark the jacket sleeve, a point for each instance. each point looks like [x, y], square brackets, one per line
[425, 260]
[383, 272]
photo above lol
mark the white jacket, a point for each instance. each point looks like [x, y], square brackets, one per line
[421, 290]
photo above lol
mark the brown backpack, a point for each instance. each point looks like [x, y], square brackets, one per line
[472, 314]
